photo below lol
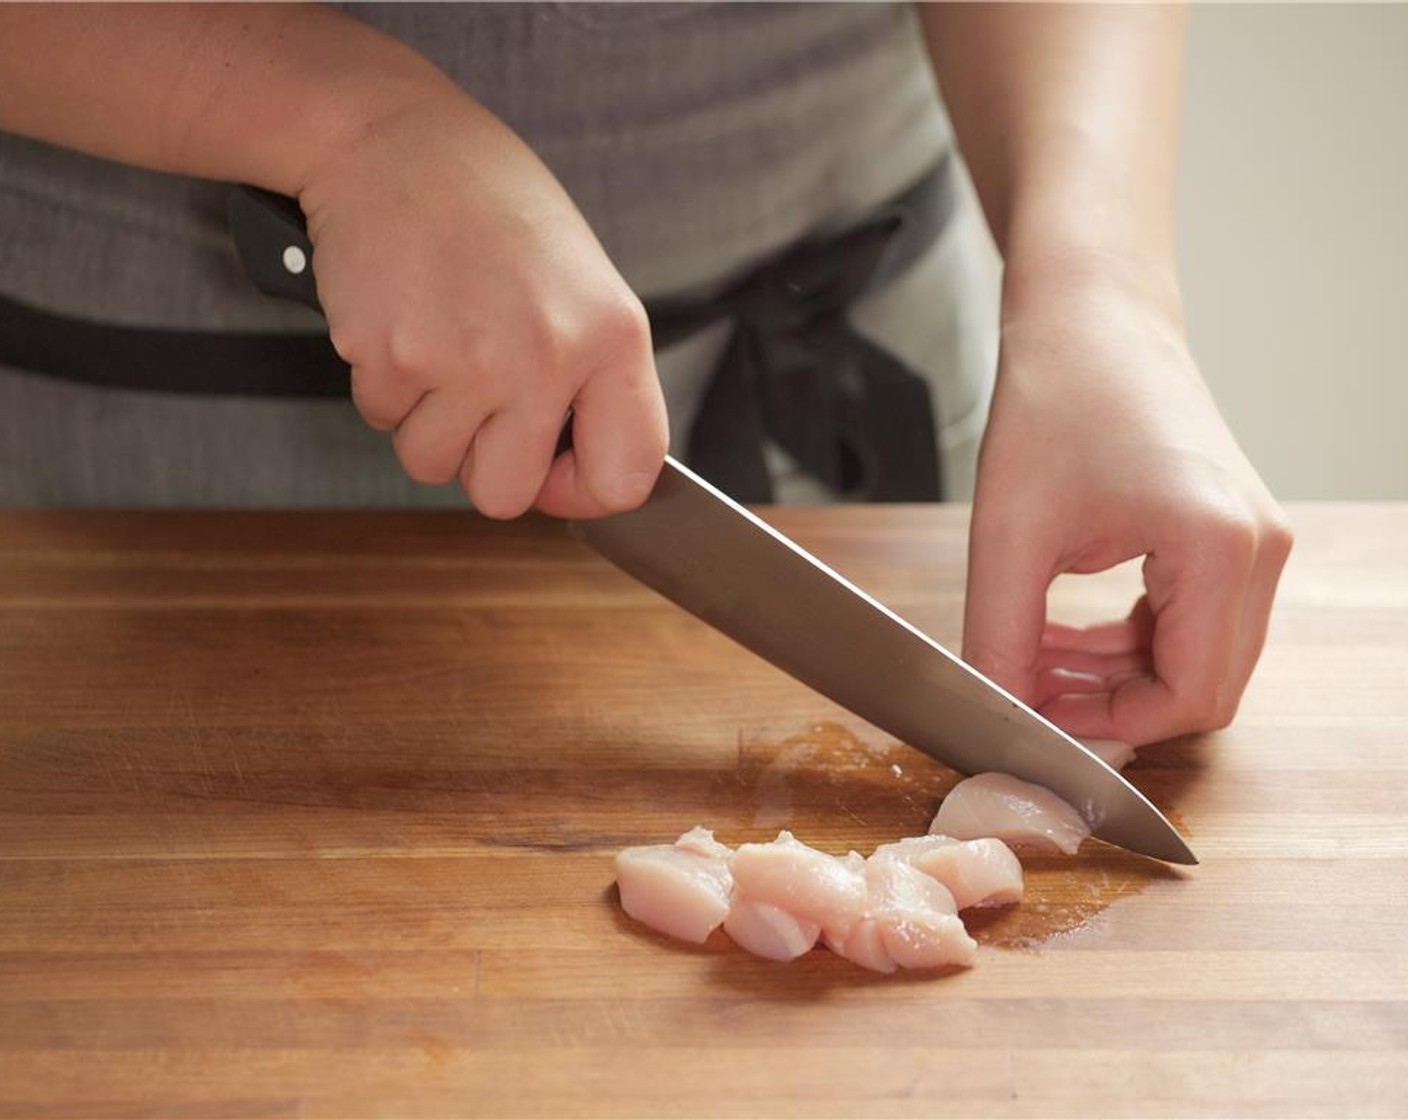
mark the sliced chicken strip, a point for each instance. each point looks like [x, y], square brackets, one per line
[917, 917]
[1024, 815]
[808, 884]
[977, 872]
[864, 944]
[680, 889]
[700, 841]
[769, 931]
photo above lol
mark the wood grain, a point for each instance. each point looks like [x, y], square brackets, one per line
[312, 815]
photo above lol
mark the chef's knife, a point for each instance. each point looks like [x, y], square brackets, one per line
[703, 551]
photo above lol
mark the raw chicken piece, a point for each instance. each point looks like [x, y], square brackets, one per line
[910, 920]
[808, 884]
[1112, 752]
[681, 889]
[917, 916]
[864, 944]
[768, 931]
[912, 848]
[700, 841]
[1024, 815]
[980, 872]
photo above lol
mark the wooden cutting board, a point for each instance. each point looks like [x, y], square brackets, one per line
[313, 815]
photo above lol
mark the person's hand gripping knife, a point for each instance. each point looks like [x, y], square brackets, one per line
[459, 281]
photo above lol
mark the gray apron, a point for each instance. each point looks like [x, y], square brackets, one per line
[697, 139]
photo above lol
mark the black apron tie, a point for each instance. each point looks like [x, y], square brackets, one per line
[795, 371]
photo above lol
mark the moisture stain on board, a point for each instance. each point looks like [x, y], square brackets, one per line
[837, 791]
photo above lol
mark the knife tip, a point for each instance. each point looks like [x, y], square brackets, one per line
[1171, 848]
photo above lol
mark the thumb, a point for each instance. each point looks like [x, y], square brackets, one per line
[1005, 610]
[619, 439]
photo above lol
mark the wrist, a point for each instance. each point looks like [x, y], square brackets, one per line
[292, 85]
[1078, 221]
[342, 108]
[1091, 274]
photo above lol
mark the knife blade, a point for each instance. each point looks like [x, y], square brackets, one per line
[703, 551]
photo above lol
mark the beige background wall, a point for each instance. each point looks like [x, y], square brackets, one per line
[1294, 238]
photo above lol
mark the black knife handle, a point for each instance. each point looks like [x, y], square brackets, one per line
[271, 237]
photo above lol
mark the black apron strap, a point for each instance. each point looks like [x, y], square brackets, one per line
[795, 372]
[210, 363]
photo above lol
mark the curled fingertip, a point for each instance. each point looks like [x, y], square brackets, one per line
[563, 495]
[627, 491]
[499, 506]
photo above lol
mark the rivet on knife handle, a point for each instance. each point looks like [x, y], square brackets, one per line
[272, 240]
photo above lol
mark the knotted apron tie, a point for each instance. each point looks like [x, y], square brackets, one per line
[796, 372]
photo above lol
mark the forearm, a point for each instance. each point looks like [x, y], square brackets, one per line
[252, 92]
[1068, 119]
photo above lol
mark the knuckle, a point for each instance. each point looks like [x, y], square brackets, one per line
[607, 332]
[1210, 712]
[369, 403]
[1226, 712]
[422, 464]
[553, 343]
[375, 419]
[1233, 534]
[409, 356]
[379, 404]
[346, 342]
[1219, 715]
[1278, 538]
[1217, 709]
[623, 329]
